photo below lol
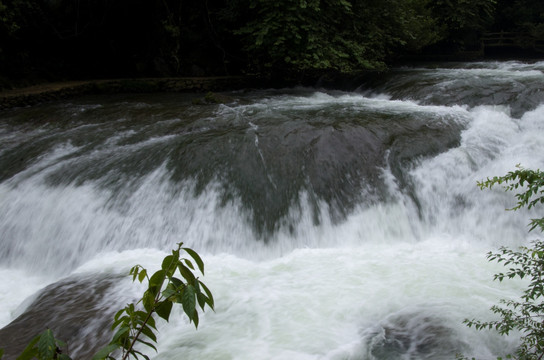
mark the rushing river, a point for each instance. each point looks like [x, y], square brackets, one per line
[333, 224]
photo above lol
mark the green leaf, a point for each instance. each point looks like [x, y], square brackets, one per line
[134, 272]
[169, 265]
[176, 283]
[142, 275]
[169, 291]
[189, 264]
[105, 351]
[151, 322]
[186, 273]
[196, 319]
[135, 353]
[122, 332]
[47, 347]
[163, 309]
[146, 330]
[157, 279]
[201, 300]
[210, 301]
[197, 258]
[31, 351]
[188, 301]
[116, 323]
[140, 318]
[148, 300]
[119, 313]
[146, 343]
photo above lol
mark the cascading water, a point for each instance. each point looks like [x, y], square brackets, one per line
[333, 225]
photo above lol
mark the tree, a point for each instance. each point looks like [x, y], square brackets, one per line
[518, 14]
[527, 314]
[461, 22]
[525, 17]
[340, 35]
[18, 19]
[295, 36]
[134, 325]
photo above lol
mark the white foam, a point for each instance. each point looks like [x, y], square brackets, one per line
[316, 303]
[15, 287]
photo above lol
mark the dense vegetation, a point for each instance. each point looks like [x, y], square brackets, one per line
[44, 40]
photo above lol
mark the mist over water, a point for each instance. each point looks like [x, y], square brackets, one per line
[333, 225]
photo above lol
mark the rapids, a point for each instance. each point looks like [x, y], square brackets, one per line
[333, 224]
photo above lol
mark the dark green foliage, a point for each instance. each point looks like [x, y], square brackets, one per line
[456, 15]
[299, 35]
[12, 16]
[19, 32]
[340, 35]
[461, 23]
[519, 15]
[87, 38]
[127, 38]
[527, 314]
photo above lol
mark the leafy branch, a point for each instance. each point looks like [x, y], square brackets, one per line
[533, 180]
[527, 314]
[164, 290]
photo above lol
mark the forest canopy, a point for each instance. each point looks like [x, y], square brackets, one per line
[65, 39]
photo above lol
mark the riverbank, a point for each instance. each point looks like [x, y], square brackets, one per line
[36, 94]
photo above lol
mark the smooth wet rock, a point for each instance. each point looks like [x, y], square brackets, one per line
[413, 335]
[78, 310]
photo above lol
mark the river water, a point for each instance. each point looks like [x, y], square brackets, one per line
[333, 224]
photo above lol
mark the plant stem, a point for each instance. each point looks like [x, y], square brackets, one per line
[125, 356]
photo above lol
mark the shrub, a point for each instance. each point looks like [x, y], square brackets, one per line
[527, 314]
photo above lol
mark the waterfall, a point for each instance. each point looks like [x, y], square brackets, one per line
[333, 224]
